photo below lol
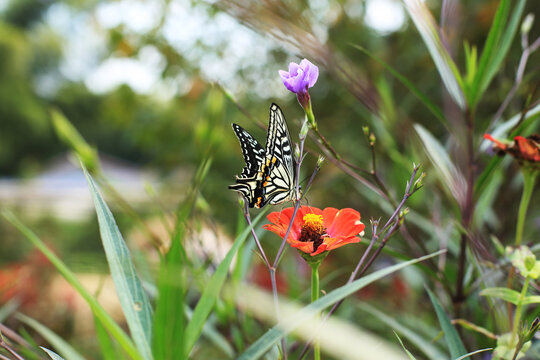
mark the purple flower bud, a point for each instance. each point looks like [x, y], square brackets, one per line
[300, 76]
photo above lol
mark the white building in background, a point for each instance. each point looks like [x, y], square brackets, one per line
[61, 189]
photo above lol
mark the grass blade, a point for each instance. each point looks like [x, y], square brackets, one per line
[450, 334]
[428, 29]
[448, 173]
[408, 84]
[52, 354]
[272, 336]
[112, 327]
[169, 320]
[426, 346]
[409, 354]
[59, 344]
[212, 290]
[473, 353]
[496, 47]
[132, 296]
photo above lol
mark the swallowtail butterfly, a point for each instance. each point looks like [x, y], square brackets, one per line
[270, 174]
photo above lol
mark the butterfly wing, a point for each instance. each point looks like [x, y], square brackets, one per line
[252, 151]
[269, 174]
[280, 164]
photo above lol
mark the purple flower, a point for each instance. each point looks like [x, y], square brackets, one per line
[300, 76]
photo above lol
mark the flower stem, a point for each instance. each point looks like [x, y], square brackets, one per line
[529, 177]
[315, 297]
[517, 315]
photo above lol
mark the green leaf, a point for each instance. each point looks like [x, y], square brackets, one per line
[71, 137]
[132, 296]
[450, 334]
[52, 338]
[111, 326]
[411, 356]
[214, 336]
[408, 84]
[52, 354]
[473, 353]
[212, 290]
[309, 312]
[447, 172]
[489, 48]
[424, 345]
[531, 299]
[169, 320]
[429, 31]
[108, 350]
[501, 50]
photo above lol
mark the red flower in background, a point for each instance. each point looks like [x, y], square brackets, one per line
[314, 230]
[523, 149]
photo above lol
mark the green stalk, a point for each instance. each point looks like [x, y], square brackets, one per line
[315, 297]
[517, 315]
[529, 177]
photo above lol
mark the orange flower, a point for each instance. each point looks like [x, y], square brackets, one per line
[314, 230]
[522, 148]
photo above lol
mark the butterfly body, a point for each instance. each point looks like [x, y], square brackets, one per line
[269, 175]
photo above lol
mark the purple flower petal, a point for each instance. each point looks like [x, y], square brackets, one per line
[300, 77]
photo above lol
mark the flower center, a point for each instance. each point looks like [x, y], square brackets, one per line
[313, 230]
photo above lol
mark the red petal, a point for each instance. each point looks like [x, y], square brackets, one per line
[337, 242]
[499, 144]
[320, 249]
[346, 223]
[306, 247]
[329, 214]
[527, 148]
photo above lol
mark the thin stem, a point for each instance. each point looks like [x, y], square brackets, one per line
[9, 349]
[467, 211]
[255, 237]
[528, 186]
[315, 297]
[517, 315]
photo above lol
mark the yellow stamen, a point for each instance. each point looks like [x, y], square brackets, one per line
[313, 221]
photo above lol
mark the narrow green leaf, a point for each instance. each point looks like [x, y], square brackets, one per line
[450, 334]
[424, 345]
[111, 326]
[503, 46]
[408, 84]
[214, 336]
[169, 319]
[428, 29]
[447, 172]
[411, 356]
[212, 290]
[506, 294]
[272, 336]
[473, 353]
[489, 48]
[132, 296]
[72, 138]
[531, 299]
[52, 354]
[8, 308]
[108, 350]
[52, 338]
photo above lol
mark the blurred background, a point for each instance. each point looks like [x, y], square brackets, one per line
[153, 86]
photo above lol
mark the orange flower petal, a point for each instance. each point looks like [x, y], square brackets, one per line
[527, 148]
[334, 243]
[306, 247]
[499, 144]
[346, 223]
[320, 249]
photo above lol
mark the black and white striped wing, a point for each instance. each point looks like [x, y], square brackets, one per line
[252, 152]
[279, 170]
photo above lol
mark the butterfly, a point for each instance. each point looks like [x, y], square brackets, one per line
[269, 175]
